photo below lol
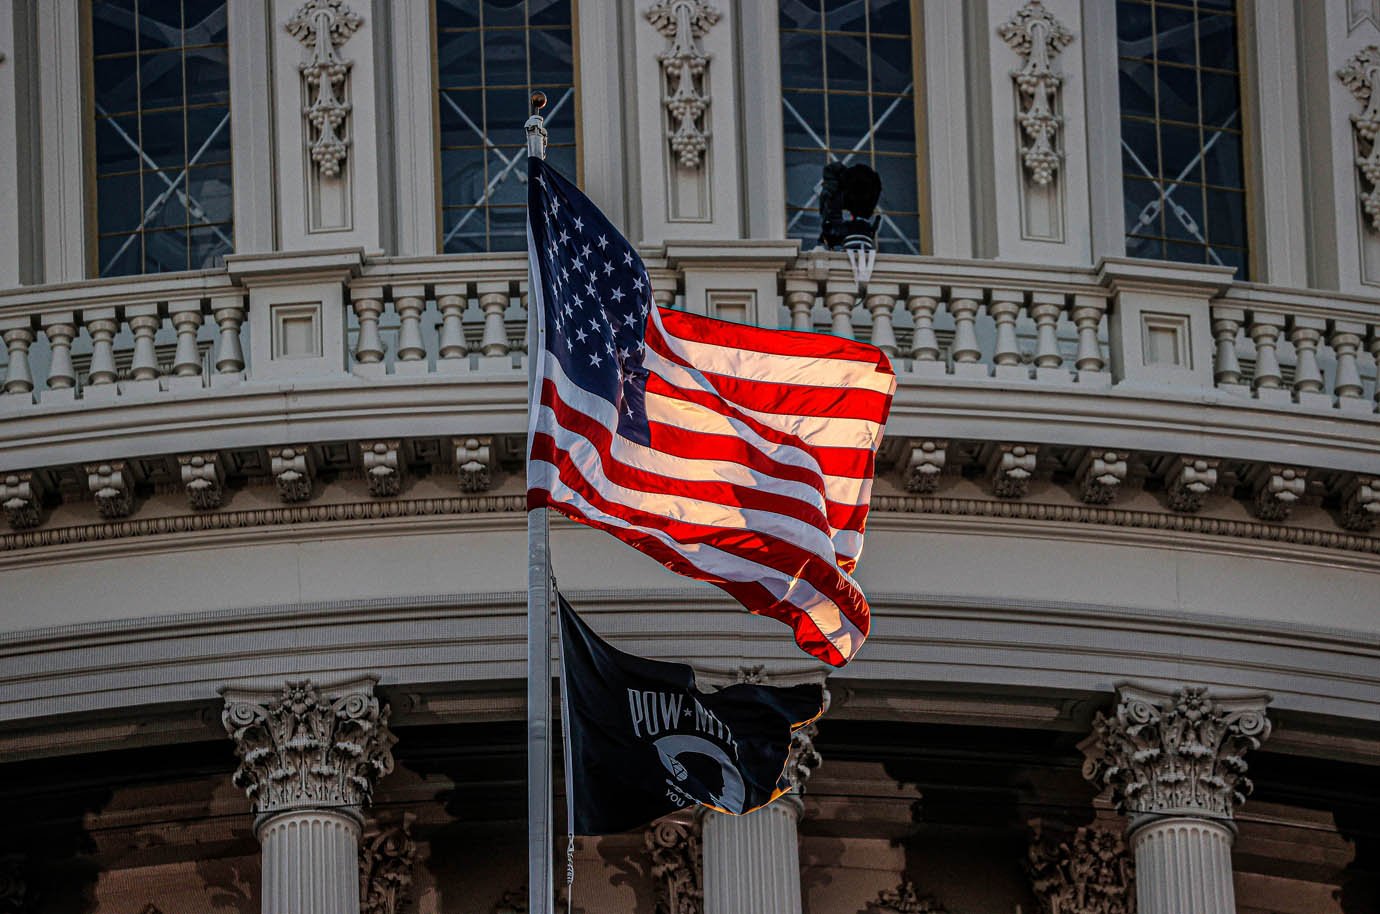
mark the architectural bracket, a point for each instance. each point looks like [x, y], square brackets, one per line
[1361, 75]
[21, 498]
[685, 67]
[1038, 37]
[112, 487]
[204, 476]
[925, 466]
[324, 26]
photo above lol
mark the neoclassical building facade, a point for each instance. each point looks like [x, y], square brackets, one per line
[262, 562]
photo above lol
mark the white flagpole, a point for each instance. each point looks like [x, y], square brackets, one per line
[540, 887]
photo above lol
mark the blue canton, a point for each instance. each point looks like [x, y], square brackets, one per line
[596, 293]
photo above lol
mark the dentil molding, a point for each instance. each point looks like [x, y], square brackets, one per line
[685, 69]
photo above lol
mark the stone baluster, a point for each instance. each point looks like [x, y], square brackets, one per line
[367, 302]
[963, 305]
[840, 296]
[409, 302]
[186, 320]
[752, 862]
[1087, 317]
[921, 302]
[143, 323]
[1306, 333]
[1345, 339]
[309, 760]
[1006, 354]
[493, 301]
[229, 314]
[61, 329]
[881, 301]
[1045, 308]
[100, 376]
[452, 354]
[18, 336]
[1226, 324]
[800, 302]
[1175, 765]
[1268, 381]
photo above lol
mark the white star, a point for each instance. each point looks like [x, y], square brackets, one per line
[555, 206]
[594, 324]
[628, 410]
[637, 283]
[579, 224]
[617, 294]
[608, 268]
[603, 241]
[541, 180]
[590, 289]
[565, 274]
[630, 320]
[564, 237]
[594, 359]
[579, 302]
[627, 257]
[580, 334]
[608, 347]
[586, 251]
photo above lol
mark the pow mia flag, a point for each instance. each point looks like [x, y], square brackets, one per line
[644, 741]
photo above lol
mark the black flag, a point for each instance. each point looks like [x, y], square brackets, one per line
[644, 741]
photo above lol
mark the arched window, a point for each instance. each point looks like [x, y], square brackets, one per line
[491, 54]
[848, 77]
[161, 102]
[1181, 131]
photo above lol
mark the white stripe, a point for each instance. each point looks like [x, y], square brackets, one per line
[797, 592]
[774, 368]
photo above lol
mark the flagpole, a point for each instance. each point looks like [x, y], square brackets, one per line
[540, 887]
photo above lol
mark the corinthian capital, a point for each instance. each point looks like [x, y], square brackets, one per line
[307, 748]
[1177, 754]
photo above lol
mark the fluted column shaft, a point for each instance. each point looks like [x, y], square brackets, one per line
[1183, 865]
[752, 862]
[310, 862]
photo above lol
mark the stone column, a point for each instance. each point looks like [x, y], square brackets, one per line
[1176, 767]
[309, 760]
[752, 862]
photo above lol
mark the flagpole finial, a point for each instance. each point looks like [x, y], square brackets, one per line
[536, 127]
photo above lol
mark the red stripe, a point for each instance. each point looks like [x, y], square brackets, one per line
[758, 548]
[753, 596]
[700, 329]
[800, 399]
[631, 477]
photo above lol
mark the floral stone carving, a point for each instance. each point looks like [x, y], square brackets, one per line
[1360, 76]
[1038, 37]
[1179, 754]
[677, 866]
[323, 26]
[306, 750]
[386, 857]
[1087, 872]
[684, 67]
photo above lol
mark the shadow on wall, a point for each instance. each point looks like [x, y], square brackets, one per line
[1359, 891]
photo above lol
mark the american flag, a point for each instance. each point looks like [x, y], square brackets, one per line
[731, 454]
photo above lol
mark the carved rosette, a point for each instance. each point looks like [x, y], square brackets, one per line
[685, 66]
[1088, 872]
[904, 899]
[1038, 37]
[677, 866]
[306, 750]
[323, 26]
[1176, 755]
[386, 857]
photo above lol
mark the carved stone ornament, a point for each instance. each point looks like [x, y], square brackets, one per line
[925, 466]
[473, 462]
[1277, 490]
[1180, 754]
[306, 750]
[1188, 481]
[1100, 475]
[1360, 75]
[1360, 503]
[1011, 467]
[387, 854]
[677, 866]
[382, 469]
[112, 487]
[903, 899]
[684, 69]
[292, 469]
[1087, 872]
[204, 478]
[323, 26]
[1038, 37]
[21, 498]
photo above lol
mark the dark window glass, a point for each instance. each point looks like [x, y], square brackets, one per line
[162, 104]
[849, 80]
[490, 55]
[1181, 147]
